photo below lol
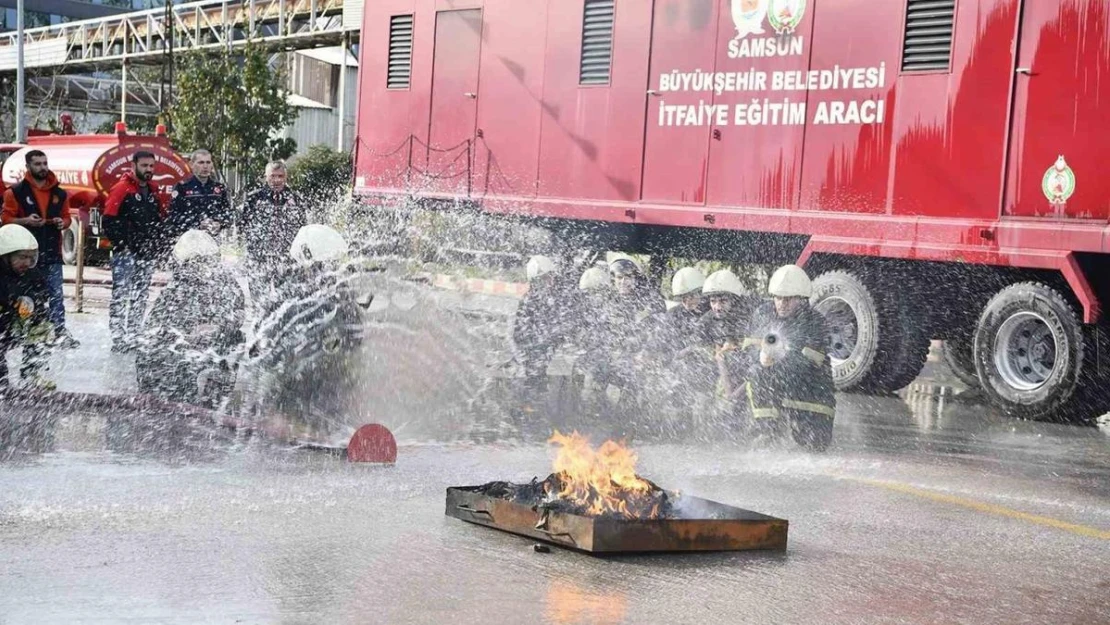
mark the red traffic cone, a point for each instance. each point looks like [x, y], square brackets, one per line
[372, 443]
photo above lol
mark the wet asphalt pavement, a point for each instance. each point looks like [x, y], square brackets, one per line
[926, 510]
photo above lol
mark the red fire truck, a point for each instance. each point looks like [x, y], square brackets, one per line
[934, 163]
[87, 166]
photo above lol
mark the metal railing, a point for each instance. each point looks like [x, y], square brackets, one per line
[209, 24]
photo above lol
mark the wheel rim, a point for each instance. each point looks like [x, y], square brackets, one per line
[1025, 351]
[843, 328]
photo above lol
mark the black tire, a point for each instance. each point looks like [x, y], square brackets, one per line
[959, 355]
[1020, 371]
[69, 243]
[880, 347]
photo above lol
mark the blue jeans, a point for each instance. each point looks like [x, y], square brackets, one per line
[130, 290]
[57, 298]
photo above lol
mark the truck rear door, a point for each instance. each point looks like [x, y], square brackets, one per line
[1058, 165]
[454, 100]
[676, 146]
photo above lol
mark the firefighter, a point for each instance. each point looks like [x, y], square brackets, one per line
[194, 321]
[590, 325]
[271, 218]
[536, 331]
[39, 204]
[686, 368]
[307, 326]
[134, 216]
[685, 317]
[724, 327]
[792, 383]
[199, 202]
[634, 299]
[24, 306]
[626, 326]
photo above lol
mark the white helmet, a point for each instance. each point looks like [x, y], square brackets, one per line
[623, 264]
[195, 244]
[687, 281]
[317, 243]
[594, 279]
[16, 238]
[538, 266]
[724, 281]
[790, 281]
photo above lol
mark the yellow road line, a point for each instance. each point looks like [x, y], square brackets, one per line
[989, 508]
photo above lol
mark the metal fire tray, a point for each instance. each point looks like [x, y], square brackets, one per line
[699, 525]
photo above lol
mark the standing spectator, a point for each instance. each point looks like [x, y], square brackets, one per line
[200, 202]
[134, 221]
[271, 218]
[38, 204]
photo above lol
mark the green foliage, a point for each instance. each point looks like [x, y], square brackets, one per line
[232, 105]
[320, 170]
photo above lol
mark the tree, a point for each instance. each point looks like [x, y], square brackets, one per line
[233, 106]
[321, 171]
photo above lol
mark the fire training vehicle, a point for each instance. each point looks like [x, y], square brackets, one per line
[87, 166]
[935, 164]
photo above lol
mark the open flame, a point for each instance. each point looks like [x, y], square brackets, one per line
[602, 482]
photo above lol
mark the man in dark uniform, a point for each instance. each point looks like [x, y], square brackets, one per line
[270, 220]
[134, 217]
[200, 202]
[793, 380]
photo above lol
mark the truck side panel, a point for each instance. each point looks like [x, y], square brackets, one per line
[389, 118]
[846, 166]
[1061, 110]
[591, 142]
[506, 157]
[751, 164]
[950, 127]
[676, 155]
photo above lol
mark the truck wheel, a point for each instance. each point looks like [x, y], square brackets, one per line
[1029, 351]
[69, 243]
[959, 355]
[872, 347]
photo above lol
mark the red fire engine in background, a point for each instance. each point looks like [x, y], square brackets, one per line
[937, 165]
[87, 166]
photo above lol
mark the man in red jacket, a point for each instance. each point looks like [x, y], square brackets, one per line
[40, 205]
[134, 217]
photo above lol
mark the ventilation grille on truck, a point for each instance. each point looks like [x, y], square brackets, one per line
[597, 42]
[929, 26]
[400, 52]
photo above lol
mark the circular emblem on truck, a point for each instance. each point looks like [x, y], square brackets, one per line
[748, 16]
[1059, 182]
[785, 15]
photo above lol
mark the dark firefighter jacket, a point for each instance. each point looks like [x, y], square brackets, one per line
[270, 221]
[194, 201]
[631, 320]
[13, 286]
[545, 318]
[800, 380]
[723, 336]
[201, 293]
[134, 219]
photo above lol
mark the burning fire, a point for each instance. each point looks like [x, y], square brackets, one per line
[603, 481]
